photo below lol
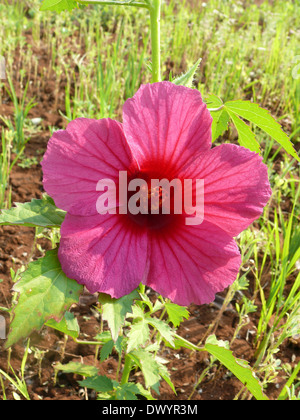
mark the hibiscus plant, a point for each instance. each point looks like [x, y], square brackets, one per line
[120, 254]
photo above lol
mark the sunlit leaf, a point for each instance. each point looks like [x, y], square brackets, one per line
[58, 5]
[98, 383]
[187, 78]
[149, 366]
[246, 137]
[77, 368]
[264, 120]
[220, 118]
[45, 293]
[115, 310]
[176, 313]
[68, 325]
[40, 213]
[138, 335]
[238, 367]
[127, 392]
[164, 330]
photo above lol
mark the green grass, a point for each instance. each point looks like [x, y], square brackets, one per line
[247, 53]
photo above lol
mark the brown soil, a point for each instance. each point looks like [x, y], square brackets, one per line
[16, 247]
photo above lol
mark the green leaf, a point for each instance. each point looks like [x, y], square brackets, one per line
[180, 342]
[164, 373]
[220, 124]
[127, 392]
[238, 367]
[45, 293]
[246, 136]
[68, 325]
[164, 330]
[138, 335]
[213, 102]
[58, 5]
[119, 344]
[149, 366]
[176, 313]
[115, 310]
[98, 383]
[41, 213]
[77, 368]
[145, 392]
[264, 120]
[106, 350]
[187, 78]
[220, 118]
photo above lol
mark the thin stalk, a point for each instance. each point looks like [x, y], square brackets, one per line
[126, 370]
[202, 376]
[119, 365]
[115, 3]
[155, 10]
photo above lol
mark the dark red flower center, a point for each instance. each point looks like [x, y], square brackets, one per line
[156, 203]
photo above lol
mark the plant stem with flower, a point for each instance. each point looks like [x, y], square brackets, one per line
[154, 7]
[155, 10]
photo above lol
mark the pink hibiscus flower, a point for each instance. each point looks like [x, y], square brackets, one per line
[166, 133]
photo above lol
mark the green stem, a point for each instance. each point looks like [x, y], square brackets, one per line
[114, 3]
[88, 343]
[155, 9]
[126, 370]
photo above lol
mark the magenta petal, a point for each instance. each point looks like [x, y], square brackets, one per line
[99, 252]
[165, 123]
[193, 264]
[78, 157]
[236, 186]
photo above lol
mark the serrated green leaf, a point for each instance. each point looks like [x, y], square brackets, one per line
[115, 310]
[145, 393]
[238, 368]
[176, 313]
[45, 293]
[58, 5]
[220, 118]
[220, 124]
[212, 339]
[149, 366]
[138, 335]
[98, 383]
[164, 330]
[106, 350]
[213, 102]
[71, 322]
[41, 213]
[246, 137]
[164, 373]
[127, 392]
[108, 346]
[264, 120]
[119, 344]
[68, 325]
[77, 368]
[137, 312]
[187, 78]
